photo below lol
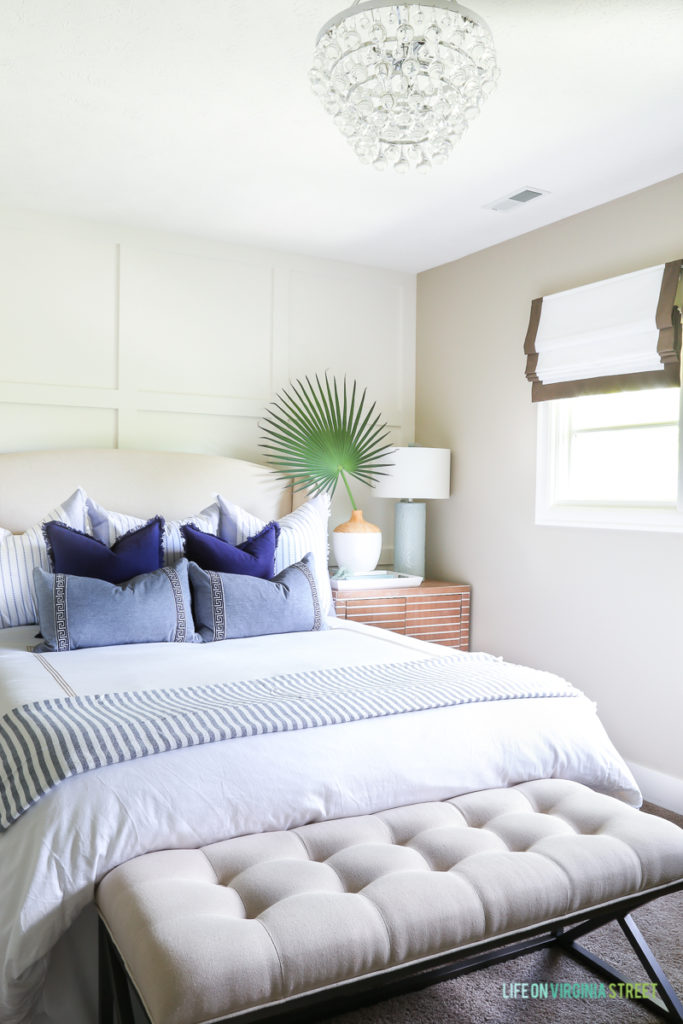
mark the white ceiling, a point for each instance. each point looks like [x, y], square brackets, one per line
[196, 115]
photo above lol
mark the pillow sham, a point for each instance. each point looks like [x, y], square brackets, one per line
[21, 553]
[108, 526]
[75, 553]
[79, 611]
[254, 557]
[303, 530]
[228, 606]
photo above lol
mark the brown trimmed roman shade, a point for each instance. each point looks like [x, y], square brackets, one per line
[621, 334]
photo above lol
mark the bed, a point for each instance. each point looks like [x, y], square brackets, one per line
[523, 725]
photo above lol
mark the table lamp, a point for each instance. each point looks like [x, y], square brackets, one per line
[417, 473]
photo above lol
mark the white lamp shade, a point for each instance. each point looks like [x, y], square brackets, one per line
[418, 473]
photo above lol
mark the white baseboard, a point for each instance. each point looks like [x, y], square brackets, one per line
[658, 788]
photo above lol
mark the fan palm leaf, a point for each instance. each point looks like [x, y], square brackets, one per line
[313, 433]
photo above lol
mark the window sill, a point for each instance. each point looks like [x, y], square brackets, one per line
[612, 517]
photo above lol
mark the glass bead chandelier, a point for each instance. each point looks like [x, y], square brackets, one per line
[403, 80]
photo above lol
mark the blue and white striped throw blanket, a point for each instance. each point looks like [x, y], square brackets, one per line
[50, 740]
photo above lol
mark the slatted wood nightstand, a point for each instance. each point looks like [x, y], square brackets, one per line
[434, 611]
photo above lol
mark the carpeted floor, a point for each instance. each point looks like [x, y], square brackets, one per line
[478, 998]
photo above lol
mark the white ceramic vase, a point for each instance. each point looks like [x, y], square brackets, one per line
[357, 544]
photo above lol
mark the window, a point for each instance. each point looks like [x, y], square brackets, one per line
[610, 460]
[603, 360]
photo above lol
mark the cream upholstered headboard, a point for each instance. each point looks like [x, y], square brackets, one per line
[144, 484]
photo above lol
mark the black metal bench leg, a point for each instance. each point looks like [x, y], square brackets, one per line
[114, 1001]
[666, 1003]
[105, 990]
[653, 967]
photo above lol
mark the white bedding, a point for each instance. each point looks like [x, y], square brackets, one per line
[51, 858]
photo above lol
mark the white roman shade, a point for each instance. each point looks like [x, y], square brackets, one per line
[614, 335]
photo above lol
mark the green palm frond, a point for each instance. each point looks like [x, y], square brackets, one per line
[313, 434]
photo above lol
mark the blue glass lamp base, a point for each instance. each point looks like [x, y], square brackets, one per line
[409, 537]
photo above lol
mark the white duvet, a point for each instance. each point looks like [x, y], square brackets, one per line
[51, 858]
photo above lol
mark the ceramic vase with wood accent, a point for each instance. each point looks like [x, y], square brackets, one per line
[357, 544]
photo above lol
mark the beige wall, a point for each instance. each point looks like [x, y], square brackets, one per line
[131, 338]
[603, 608]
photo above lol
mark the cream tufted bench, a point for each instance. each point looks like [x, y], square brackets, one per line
[264, 925]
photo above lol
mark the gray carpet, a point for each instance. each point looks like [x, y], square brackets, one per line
[478, 997]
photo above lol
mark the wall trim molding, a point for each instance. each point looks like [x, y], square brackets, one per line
[156, 340]
[659, 788]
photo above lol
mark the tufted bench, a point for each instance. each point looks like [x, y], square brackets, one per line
[265, 925]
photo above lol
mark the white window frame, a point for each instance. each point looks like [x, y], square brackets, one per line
[550, 449]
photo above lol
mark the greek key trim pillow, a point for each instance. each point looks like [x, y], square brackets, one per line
[228, 606]
[79, 611]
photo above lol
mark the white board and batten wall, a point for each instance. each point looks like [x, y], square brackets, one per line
[131, 338]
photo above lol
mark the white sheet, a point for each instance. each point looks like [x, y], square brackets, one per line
[52, 857]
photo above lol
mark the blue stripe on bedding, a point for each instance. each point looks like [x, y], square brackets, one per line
[48, 741]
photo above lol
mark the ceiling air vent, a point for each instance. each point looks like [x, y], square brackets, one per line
[520, 197]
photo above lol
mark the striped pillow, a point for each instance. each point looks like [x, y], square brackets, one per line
[303, 530]
[19, 555]
[108, 526]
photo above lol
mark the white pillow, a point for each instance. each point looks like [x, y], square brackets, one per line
[20, 553]
[303, 530]
[108, 526]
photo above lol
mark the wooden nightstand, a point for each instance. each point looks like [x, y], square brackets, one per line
[439, 612]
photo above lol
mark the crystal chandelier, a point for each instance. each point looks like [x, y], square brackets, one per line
[403, 80]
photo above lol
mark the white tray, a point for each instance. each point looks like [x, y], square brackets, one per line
[375, 580]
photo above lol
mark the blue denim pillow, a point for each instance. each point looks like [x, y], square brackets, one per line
[254, 557]
[77, 554]
[228, 606]
[79, 611]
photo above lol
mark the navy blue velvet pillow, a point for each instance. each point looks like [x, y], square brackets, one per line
[77, 554]
[254, 557]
